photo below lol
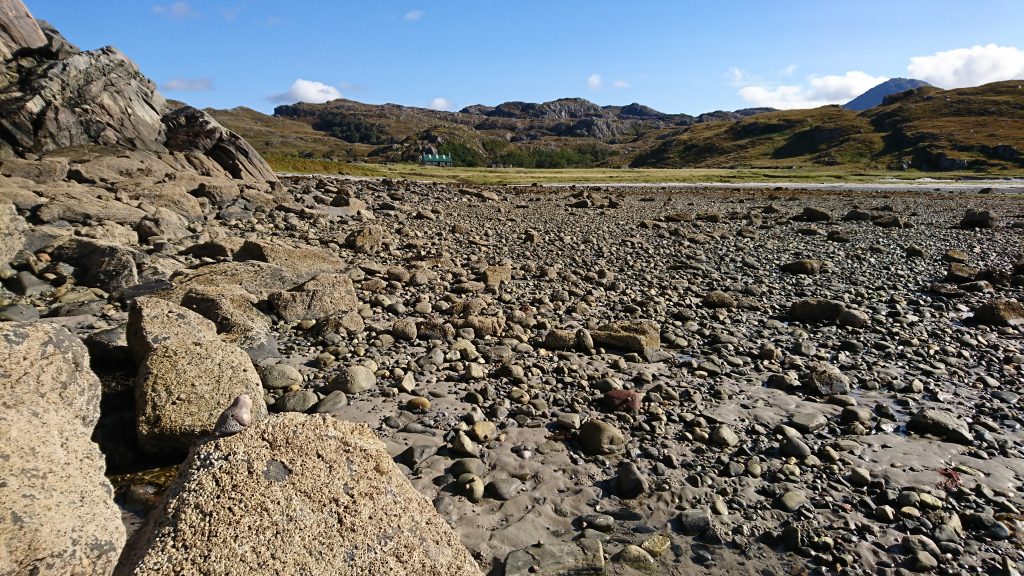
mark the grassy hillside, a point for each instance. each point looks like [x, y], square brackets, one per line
[933, 129]
[976, 129]
[827, 136]
[979, 129]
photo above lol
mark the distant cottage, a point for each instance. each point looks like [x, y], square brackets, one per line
[437, 160]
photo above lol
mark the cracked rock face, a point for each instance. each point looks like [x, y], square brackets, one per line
[54, 96]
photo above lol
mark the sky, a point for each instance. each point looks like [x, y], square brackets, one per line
[678, 56]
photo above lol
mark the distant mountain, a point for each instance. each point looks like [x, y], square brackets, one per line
[874, 96]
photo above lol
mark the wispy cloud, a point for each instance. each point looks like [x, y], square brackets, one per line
[187, 85]
[307, 91]
[440, 104]
[413, 15]
[969, 66]
[788, 70]
[175, 11]
[594, 81]
[621, 84]
[738, 76]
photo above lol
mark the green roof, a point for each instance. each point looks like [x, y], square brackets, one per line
[437, 158]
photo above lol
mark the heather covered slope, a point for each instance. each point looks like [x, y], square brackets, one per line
[979, 128]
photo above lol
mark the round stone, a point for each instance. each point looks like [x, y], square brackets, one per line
[418, 404]
[281, 376]
[354, 379]
[601, 438]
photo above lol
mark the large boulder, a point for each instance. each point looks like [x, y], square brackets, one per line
[187, 375]
[941, 423]
[233, 310]
[59, 516]
[182, 387]
[813, 310]
[12, 233]
[321, 296]
[257, 278]
[1000, 312]
[295, 494]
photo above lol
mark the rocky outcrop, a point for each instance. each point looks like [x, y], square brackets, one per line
[192, 130]
[54, 97]
[59, 516]
[91, 98]
[242, 505]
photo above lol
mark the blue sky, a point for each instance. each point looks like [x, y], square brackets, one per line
[677, 56]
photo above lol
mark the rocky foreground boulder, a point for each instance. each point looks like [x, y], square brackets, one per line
[57, 513]
[187, 374]
[295, 494]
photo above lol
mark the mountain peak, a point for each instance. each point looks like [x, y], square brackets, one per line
[874, 96]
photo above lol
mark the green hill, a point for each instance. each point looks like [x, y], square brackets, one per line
[979, 128]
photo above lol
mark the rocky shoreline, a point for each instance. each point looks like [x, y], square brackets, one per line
[423, 378]
[737, 380]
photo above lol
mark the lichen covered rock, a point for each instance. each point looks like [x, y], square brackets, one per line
[58, 514]
[295, 494]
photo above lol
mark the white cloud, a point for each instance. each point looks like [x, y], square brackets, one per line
[440, 104]
[957, 68]
[594, 81]
[308, 91]
[621, 84]
[176, 11]
[818, 91]
[969, 66]
[187, 85]
[413, 15]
